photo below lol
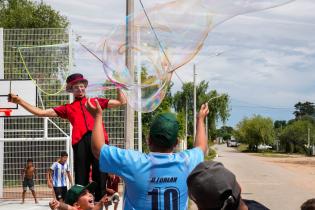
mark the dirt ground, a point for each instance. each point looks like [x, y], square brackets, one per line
[299, 164]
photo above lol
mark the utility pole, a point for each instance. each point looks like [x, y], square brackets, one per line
[1, 119]
[129, 112]
[195, 102]
[186, 124]
[138, 61]
[308, 137]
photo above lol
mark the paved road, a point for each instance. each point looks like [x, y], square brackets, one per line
[276, 187]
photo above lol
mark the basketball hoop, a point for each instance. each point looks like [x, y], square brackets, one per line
[7, 112]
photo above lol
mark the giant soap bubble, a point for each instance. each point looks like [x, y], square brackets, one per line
[47, 66]
[161, 39]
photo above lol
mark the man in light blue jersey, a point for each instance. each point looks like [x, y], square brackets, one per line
[156, 180]
[56, 176]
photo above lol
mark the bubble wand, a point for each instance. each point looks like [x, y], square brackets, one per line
[214, 98]
[10, 92]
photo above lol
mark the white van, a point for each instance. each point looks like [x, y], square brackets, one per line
[232, 143]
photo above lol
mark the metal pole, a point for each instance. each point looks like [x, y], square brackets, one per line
[1, 119]
[195, 102]
[129, 112]
[186, 124]
[71, 99]
[139, 93]
[308, 137]
[45, 127]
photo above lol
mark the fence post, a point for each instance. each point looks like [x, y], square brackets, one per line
[129, 112]
[1, 119]
[71, 99]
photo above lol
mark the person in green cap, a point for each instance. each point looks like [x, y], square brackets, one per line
[156, 180]
[80, 197]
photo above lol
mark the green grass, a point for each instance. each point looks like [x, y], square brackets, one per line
[242, 148]
[265, 153]
[211, 154]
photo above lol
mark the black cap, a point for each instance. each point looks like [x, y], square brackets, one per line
[309, 204]
[212, 186]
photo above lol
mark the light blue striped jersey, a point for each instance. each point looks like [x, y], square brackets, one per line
[154, 181]
[59, 173]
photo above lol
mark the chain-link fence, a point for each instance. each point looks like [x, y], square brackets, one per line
[41, 139]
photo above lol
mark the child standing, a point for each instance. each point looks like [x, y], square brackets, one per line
[28, 175]
[56, 176]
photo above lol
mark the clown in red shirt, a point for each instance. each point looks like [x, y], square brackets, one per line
[82, 125]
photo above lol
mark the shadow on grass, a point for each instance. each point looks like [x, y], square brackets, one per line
[264, 153]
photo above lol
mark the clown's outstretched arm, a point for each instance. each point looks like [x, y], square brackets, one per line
[32, 109]
[121, 100]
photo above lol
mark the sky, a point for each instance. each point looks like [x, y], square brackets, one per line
[265, 64]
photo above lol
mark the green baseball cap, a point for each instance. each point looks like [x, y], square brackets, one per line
[76, 190]
[164, 130]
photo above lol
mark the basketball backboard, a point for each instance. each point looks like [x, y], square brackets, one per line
[26, 89]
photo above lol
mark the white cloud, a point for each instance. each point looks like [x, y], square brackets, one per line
[268, 56]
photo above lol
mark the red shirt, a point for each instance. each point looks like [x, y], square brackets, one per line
[113, 183]
[79, 117]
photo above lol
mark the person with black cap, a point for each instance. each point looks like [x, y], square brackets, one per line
[213, 187]
[80, 197]
[82, 124]
[156, 180]
[309, 204]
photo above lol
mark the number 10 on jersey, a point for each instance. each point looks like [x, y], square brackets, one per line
[170, 198]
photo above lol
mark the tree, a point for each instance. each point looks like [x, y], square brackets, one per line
[219, 110]
[254, 131]
[28, 14]
[302, 109]
[218, 107]
[182, 99]
[279, 124]
[294, 137]
[225, 132]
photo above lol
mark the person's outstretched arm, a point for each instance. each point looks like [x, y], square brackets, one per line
[32, 109]
[201, 137]
[97, 133]
[121, 100]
